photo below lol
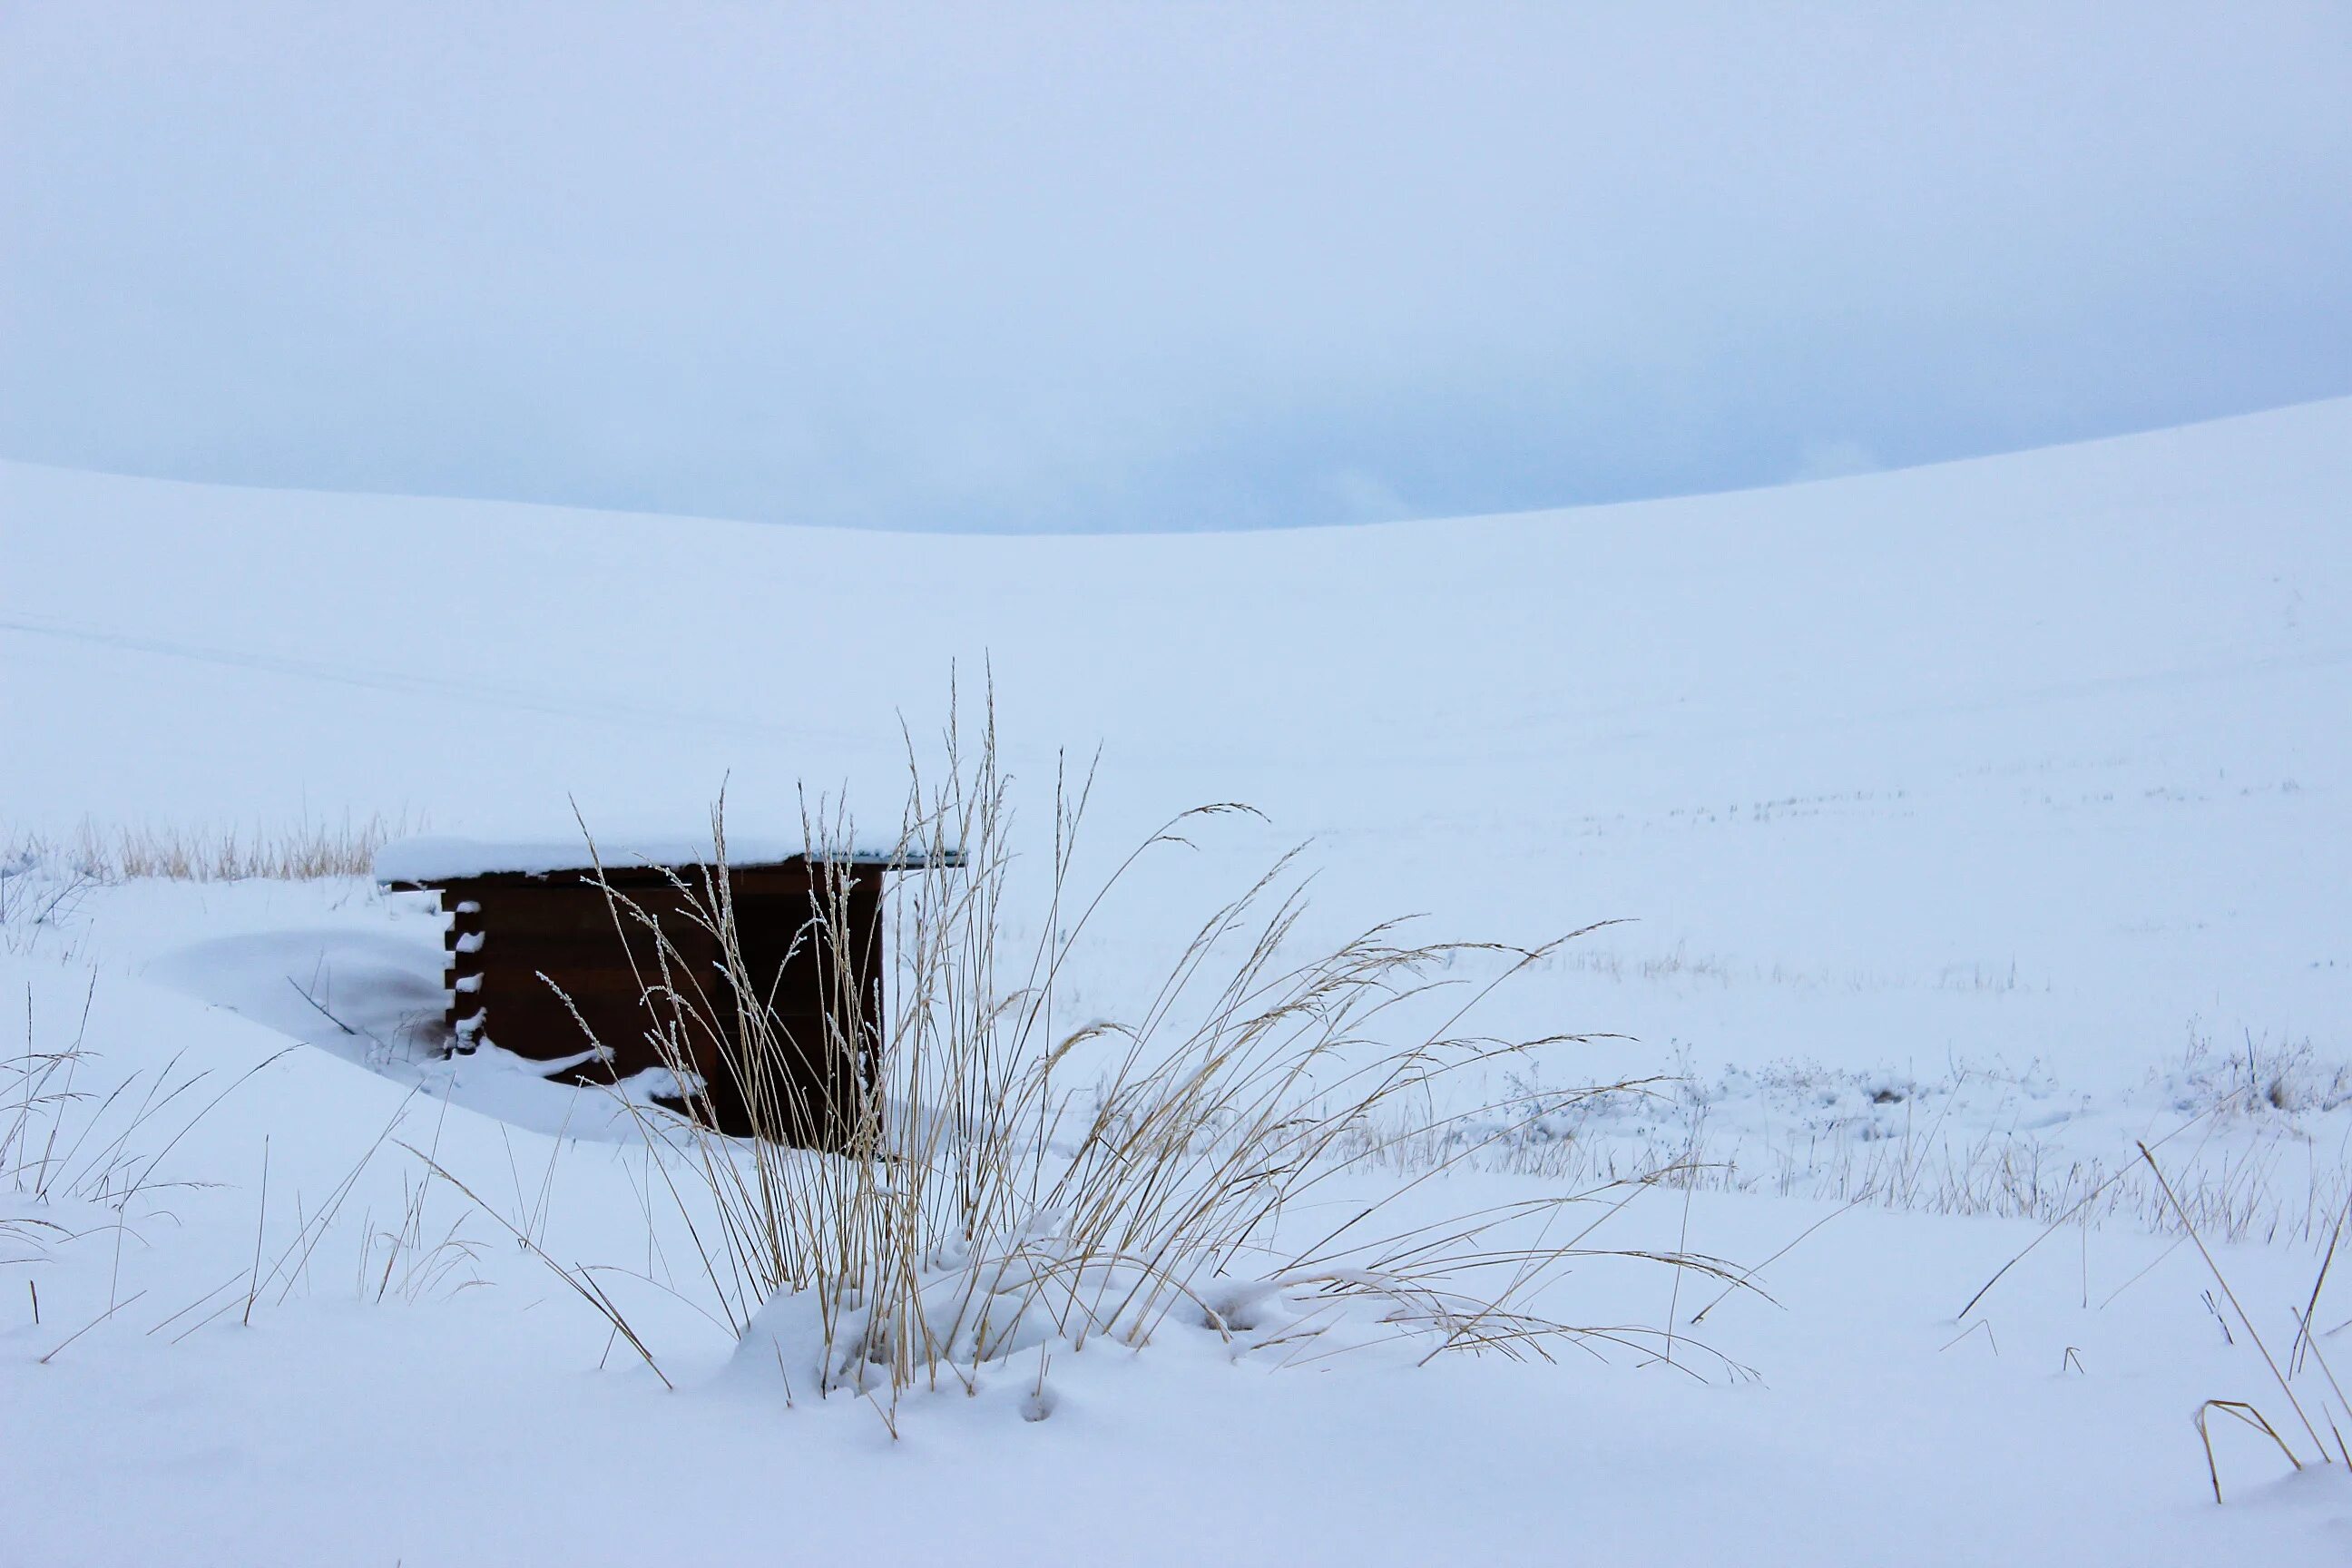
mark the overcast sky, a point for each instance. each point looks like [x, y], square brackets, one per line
[1159, 266]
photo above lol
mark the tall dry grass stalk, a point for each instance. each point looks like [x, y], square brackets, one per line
[973, 1176]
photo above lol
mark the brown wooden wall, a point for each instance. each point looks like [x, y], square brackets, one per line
[511, 935]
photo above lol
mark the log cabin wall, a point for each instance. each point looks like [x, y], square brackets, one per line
[512, 933]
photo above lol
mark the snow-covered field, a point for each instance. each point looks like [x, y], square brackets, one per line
[1969, 825]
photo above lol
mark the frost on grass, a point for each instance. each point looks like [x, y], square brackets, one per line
[2253, 1125]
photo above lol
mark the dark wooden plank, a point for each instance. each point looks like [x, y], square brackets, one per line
[577, 909]
[798, 990]
[628, 875]
[578, 950]
[742, 886]
[542, 1028]
[584, 984]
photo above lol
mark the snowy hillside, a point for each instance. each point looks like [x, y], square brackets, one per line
[1968, 823]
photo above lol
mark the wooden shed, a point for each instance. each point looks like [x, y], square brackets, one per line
[530, 927]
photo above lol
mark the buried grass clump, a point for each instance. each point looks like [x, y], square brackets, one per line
[993, 1181]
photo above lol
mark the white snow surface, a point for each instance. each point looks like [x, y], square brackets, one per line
[425, 858]
[1994, 813]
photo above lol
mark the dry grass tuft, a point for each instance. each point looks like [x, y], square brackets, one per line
[297, 851]
[73, 1135]
[991, 1180]
[2248, 1171]
[2306, 1343]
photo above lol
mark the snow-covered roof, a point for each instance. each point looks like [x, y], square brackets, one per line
[433, 859]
